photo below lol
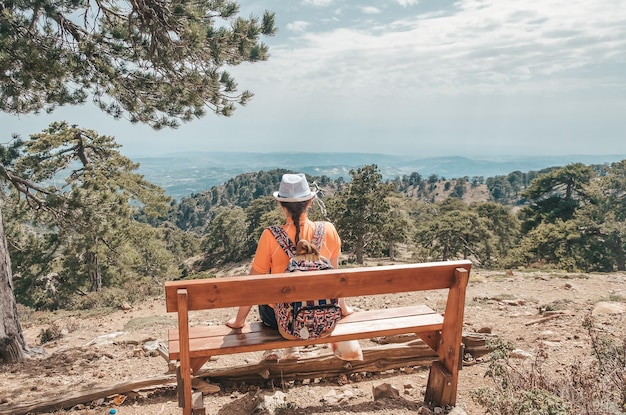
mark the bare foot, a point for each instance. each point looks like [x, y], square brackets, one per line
[271, 355]
[232, 323]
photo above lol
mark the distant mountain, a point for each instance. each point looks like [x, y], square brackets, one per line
[183, 174]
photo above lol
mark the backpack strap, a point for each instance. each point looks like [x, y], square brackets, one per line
[287, 245]
[318, 236]
[283, 240]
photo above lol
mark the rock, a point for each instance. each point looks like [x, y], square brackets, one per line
[424, 411]
[126, 306]
[519, 354]
[608, 307]
[345, 396]
[105, 339]
[336, 397]
[457, 411]
[385, 390]
[269, 402]
[510, 302]
[486, 330]
[205, 387]
[151, 347]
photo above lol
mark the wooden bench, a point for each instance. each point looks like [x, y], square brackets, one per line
[193, 346]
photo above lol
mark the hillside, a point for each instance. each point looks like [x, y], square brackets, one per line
[195, 212]
[184, 174]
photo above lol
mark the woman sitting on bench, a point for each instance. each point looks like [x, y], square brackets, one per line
[295, 198]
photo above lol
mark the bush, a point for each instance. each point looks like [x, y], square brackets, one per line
[594, 387]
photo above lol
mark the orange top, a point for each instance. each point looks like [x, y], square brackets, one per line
[270, 257]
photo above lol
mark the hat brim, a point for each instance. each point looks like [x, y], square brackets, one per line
[294, 199]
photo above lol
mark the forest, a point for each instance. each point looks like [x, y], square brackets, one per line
[83, 227]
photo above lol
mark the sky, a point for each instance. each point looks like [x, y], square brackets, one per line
[474, 78]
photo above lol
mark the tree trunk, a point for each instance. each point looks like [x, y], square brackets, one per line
[620, 257]
[95, 277]
[466, 246]
[12, 344]
[359, 249]
[392, 250]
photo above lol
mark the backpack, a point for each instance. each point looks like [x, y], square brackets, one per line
[309, 319]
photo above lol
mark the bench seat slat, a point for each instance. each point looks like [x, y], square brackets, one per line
[222, 330]
[218, 340]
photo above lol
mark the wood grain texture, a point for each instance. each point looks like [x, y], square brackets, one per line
[193, 346]
[351, 282]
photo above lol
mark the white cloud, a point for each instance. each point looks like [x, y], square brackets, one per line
[370, 10]
[297, 26]
[318, 3]
[406, 3]
[485, 47]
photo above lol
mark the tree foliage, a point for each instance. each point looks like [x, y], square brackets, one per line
[451, 230]
[153, 62]
[556, 195]
[449, 225]
[361, 211]
[83, 198]
[157, 63]
[573, 220]
[196, 212]
[227, 239]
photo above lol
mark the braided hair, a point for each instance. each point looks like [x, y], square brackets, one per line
[296, 209]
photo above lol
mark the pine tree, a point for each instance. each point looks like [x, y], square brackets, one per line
[157, 63]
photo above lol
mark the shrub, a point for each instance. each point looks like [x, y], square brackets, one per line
[593, 387]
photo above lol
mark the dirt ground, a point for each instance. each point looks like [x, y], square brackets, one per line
[97, 350]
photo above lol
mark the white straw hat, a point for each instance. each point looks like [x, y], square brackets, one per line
[294, 188]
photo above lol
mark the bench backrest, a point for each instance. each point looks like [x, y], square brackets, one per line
[225, 292]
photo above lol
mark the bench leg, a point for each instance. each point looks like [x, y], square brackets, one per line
[184, 369]
[444, 374]
[197, 406]
[184, 391]
[439, 389]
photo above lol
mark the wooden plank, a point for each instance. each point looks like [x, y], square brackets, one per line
[235, 342]
[223, 330]
[351, 282]
[325, 364]
[66, 400]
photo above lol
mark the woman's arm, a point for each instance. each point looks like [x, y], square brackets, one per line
[240, 319]
[345, 308]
